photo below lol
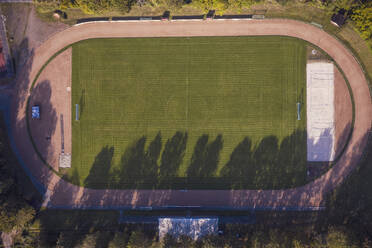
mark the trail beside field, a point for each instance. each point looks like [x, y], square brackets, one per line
[62, 194]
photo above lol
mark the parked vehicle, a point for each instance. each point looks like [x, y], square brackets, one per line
[35, 113]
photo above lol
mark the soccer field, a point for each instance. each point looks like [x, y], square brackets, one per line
[189, 113]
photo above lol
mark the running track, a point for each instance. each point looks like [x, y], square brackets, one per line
[61, 194]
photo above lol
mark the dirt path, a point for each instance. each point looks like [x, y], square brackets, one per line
[63, 194]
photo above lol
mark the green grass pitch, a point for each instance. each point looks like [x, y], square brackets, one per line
[189, 113]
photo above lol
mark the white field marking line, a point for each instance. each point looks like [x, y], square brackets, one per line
[187, 101]
[187, 85]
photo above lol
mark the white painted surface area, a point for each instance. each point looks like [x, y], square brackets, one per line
[320, 111]
[65, 160]
[192, 227]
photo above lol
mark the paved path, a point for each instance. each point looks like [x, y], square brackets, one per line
[61, 194]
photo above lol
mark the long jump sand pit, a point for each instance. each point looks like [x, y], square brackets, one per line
[52, 93]
[329, 112]
[320, 112]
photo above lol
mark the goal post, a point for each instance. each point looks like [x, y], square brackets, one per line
[76, 112]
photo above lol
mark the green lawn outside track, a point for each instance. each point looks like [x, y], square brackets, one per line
[189, 113]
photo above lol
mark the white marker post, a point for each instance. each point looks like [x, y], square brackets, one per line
[76, 112]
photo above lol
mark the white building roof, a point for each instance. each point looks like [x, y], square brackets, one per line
[193, 227]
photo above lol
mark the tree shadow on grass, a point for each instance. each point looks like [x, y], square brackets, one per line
[99, 174]
[74, 178]
[138, 166]
[291, 160]
[265, 157]
[205, 158]
[240, 168]
[198, 157]
[82, 103]
[151, 167]
[267, 165]
[172, 157]
[131, 164]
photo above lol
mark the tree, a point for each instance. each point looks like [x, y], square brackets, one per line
[27, 240]
[239, 4]
[24, 216]
[336, 238]
[67, 4]
[15, 215]
[218, 5]
[64, 240]
[89, 241]
[138, 239]
[344, 4]
[101, 6]
[15, 212]
[169, 241]
[214, 241]
[6, 184]
[7, 220]
[185, 241]
[120, 240]
[362, 17]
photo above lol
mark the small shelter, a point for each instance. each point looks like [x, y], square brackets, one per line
[338, 19]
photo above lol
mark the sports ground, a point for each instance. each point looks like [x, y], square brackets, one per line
[189, 113]
[46, 79]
